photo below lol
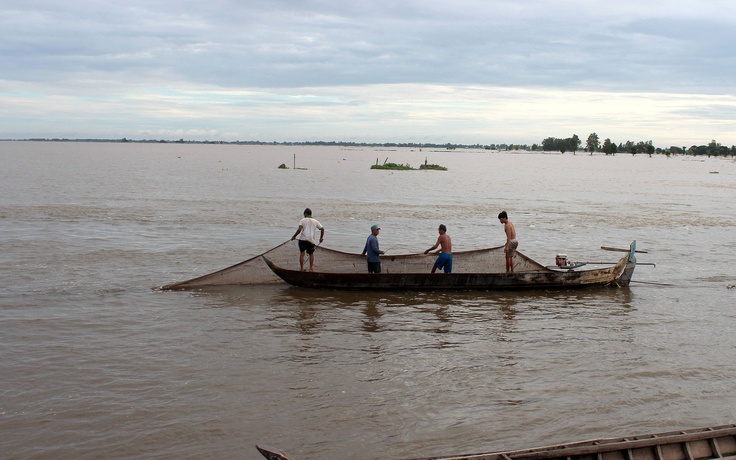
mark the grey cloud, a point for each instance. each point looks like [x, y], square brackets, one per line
[293, 43]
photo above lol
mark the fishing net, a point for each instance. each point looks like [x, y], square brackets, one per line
[286, 255]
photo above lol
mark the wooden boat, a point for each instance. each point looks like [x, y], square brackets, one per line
[710, 443]
[527, 275]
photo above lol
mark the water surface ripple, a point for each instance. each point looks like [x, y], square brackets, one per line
[96, 364]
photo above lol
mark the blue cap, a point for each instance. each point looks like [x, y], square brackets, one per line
[375, 227]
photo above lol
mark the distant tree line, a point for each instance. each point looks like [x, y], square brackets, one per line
[593, 144]
[551, 144]
[568, 144]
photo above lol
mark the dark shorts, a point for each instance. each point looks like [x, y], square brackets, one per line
[374, 267]
[444, 261]
[305, 245]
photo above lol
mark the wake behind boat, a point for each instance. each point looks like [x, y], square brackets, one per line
[475, 270]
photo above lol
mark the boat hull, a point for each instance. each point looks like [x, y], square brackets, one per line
[542, 278]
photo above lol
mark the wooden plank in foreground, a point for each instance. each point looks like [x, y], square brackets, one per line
[709, 443]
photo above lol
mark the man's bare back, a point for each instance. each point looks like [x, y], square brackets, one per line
[510, 231]
[445, 243]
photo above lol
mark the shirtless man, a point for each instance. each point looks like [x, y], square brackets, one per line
[444, 260]
[511, 243]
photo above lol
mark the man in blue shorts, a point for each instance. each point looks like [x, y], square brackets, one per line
[444, 260]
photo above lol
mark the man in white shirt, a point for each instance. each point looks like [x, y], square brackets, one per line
[307, 233]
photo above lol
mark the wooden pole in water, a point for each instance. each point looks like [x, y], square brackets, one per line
[295, 161]
[607, 248]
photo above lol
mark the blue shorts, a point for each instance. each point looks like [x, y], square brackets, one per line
[444, 261]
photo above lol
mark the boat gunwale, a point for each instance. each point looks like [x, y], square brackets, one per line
[599, 445]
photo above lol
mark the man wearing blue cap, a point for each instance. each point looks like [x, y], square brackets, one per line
[371, 248]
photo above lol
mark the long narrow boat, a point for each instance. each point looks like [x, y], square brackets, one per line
[527, 274]
[710, 443]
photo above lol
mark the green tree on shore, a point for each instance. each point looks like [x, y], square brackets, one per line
[575, 143]
[593, 143]
[609, 148]
[552, 144]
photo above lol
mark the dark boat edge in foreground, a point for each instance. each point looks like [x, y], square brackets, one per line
[618, 274]
[709, 443]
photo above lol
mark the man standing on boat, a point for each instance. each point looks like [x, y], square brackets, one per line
[444, 260]
[511, 242]
[371, 248]
[307, 233]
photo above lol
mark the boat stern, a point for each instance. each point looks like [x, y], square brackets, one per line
[624, 279]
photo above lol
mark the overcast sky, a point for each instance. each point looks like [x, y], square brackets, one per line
[461, 71]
